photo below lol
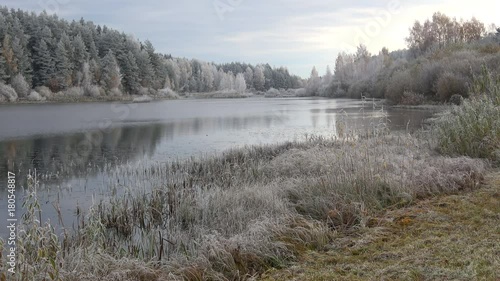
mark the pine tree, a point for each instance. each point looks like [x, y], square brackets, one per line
[63, 66]
[110, 72]
[146, 71]
[156, 64]
[130, 72]
[23, 58]
[43, 65]
[10, 58]
[3, 66]
[80, 57]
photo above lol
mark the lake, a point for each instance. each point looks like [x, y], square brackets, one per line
[75, 147]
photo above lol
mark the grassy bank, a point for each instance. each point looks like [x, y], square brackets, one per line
[238, 214]
[450, 237]
[233, 216]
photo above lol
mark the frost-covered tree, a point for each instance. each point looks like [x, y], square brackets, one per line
[259, 79]
[80, 57]
[3, 66]
[146, 71]
[10, 59]
[43, 64]
[130, 70]
[313, 83]
[207, 75]
[110, 72]
[239, 84]
[63, 67]
[249, 76]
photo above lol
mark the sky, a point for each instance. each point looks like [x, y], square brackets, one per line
[297, 34]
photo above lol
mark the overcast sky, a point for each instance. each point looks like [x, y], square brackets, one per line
[298, 34]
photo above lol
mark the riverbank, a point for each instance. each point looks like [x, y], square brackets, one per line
[236, 215]
[445, 237]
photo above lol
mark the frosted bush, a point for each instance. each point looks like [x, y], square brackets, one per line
[115, 92]
[20, 85]
[8, 92]
[92, 91]
[272, 93]
[168, 93]
[74, 92]
[44, 92]
[35, 96]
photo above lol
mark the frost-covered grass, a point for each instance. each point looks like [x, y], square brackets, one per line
[473, 129]
[449, 237]
[232, 216]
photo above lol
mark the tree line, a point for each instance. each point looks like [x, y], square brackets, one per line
[53, 55]
[442, 57]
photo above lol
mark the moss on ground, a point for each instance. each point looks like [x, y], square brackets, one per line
[448, 237]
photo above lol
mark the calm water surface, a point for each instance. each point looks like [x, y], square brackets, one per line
[73, 147]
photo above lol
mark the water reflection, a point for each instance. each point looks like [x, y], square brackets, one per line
[74, 156]
[63, 157]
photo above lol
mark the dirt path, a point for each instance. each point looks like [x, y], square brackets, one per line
[452, 237]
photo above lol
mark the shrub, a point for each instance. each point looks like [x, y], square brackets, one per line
[8, 92]
[115, 92]
[20, 85]
[399, 83]
[411, 98]
[272, 93]
[143, 91]
[300, 92]
[473, 129]
[74, 92]
[359, 89]
[456, 99]
[92, 91]
[450, 84]
[34, 96]
[44, 92]
[427, 78]
[168, 93]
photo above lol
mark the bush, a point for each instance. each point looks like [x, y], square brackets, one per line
[427, 78]
[74, 92]
[399, 83]
[168, 93]
[450, 84]
[143, 91]
[473, 129]
[115, 92]
[8, 92]
[34, 96]
[359, 89]
[92, 91]
[44, 92]
[411, 98]
[20, 85]
[456, 99]
[272, 93]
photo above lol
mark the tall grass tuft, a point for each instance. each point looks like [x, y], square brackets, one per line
[473, 129]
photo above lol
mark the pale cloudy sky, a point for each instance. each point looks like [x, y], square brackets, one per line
[298, 34]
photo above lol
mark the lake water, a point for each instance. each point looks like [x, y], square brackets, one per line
[74, 146]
